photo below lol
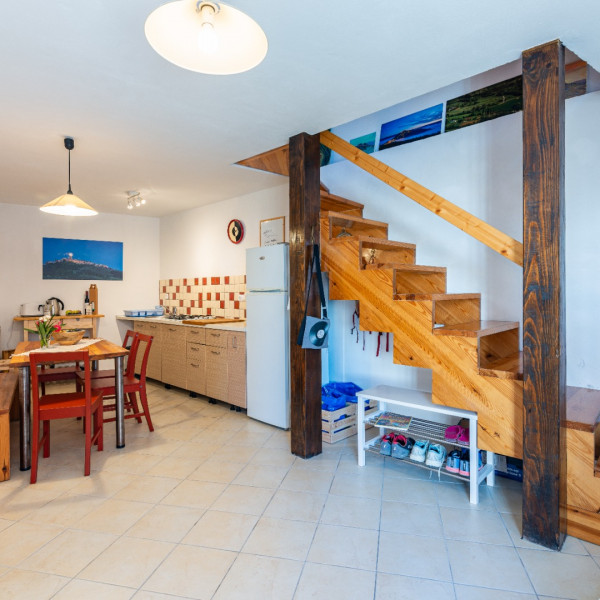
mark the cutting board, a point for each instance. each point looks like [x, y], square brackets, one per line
[217, 321]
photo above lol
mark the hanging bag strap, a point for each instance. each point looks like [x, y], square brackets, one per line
[315, 266]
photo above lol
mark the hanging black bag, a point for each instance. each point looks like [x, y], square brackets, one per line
[313, 330]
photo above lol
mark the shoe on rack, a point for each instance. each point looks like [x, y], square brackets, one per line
[465, 467]
[435, 456]
[453, 462]
[402, 446]
[385, 447]
[419, 451]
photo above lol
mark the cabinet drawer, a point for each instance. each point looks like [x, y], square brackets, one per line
[195, 334]
[77, 323]
[196, 375]
[216, 338]
[195, 350]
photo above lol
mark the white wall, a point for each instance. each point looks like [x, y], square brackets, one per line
[21, 231]
[195, 242]
[478, 168]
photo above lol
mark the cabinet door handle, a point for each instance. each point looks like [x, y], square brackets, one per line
[216, 334]
[215, 352]
[193, 365]
[193, 349]
[172, 329]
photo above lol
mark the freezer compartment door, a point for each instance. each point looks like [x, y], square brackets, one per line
[268, 358]
[267, 268]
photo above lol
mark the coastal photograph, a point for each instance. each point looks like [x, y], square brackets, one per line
[416, 126]
[65, 258]
[488, 103]
[366, 143]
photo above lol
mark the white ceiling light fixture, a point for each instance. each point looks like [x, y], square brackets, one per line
[134, 199]
[206, 37]
[69, 204]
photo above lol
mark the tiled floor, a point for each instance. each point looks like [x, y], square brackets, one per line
[213, 505]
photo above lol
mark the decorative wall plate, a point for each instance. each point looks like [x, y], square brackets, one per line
[235, 231]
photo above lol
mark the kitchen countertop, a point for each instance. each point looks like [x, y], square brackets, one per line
[241, 326]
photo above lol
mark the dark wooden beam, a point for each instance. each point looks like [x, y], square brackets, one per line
[544, 356]
[305, 372]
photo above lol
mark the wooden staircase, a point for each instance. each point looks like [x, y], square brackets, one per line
[474, 363]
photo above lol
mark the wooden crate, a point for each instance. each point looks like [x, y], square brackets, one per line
[335, 428]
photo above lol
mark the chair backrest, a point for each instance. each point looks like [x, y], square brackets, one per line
[147, 339]
[131, 357]
[51, 358]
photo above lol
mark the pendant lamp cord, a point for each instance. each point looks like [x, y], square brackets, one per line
[69, 190]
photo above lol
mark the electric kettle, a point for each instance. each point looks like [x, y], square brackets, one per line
[52, 306]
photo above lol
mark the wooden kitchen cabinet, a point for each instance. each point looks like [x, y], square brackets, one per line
[174, 351]
[216, 364]
[196, 367]
[236, 368]
[154, 367]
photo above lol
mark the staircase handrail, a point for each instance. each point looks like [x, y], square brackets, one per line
[480, 230]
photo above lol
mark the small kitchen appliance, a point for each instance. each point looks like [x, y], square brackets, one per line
[52, 306]
[30, 309]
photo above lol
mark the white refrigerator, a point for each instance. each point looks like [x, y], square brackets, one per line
[268, 335]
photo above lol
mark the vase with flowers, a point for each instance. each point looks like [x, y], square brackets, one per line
[45, 327]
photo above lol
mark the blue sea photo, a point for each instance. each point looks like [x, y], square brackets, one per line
[64, 258]
[366, 143]
[409, 128]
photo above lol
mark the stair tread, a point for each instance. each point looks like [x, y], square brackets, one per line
[341, 199]
[373, 241]
[437, 296]
[407, 267]
[339, 216]
[476, 328]
[508, 367]
[583, 409]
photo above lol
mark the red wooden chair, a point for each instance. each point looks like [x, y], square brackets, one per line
[47, 407]
[131, 385]
[104, 373]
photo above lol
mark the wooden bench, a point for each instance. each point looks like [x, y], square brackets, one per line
[8, 392]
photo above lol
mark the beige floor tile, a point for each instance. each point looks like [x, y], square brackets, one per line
[279, 439]
[250, 438]
[474, 526]
[464, 592]
[22, 539]
[194, 494]
[4, 523]
[68, 553]
[392, 587]
[413, 556]
[305, 480]
[411, 518]
[189, 450]
[300, 506]
[485, 565]
[593, 549]
[132, 462]
[274, 457]
[559, 574]
[217, 470]
[153, 444]
[243, 499]
[248, 580]
[322, 462]
[175, 466]
[102, 484]
[113, 516]
[457, 496]
[508, 498]
[148, 488]
[222, 530]
[234, 453]
[192, 572]
[352, 512]
[25, 585]
[65, 510]
[367, 484]
[261, 476]
[78, 589]
[334, 583]
[146, 595]
[24, 501]
[166, 523]
[345, 547]
[410, 490]
[280, 538]
[216, 439]
[128, 562]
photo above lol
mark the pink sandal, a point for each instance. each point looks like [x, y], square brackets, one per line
[456, 432]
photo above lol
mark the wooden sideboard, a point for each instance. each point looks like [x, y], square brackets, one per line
[89, 322]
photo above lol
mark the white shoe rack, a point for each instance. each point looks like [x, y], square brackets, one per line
[403, 401]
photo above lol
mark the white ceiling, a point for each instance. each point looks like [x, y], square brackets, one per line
[84, 69]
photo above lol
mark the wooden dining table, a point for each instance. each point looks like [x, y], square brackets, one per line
[100, 350]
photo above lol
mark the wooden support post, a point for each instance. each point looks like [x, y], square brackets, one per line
[544, 356]
[305, 371]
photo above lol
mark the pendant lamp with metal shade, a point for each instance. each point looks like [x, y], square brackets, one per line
[206, 37]
[69, 204]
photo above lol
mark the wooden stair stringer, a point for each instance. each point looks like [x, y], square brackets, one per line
[453, 359]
